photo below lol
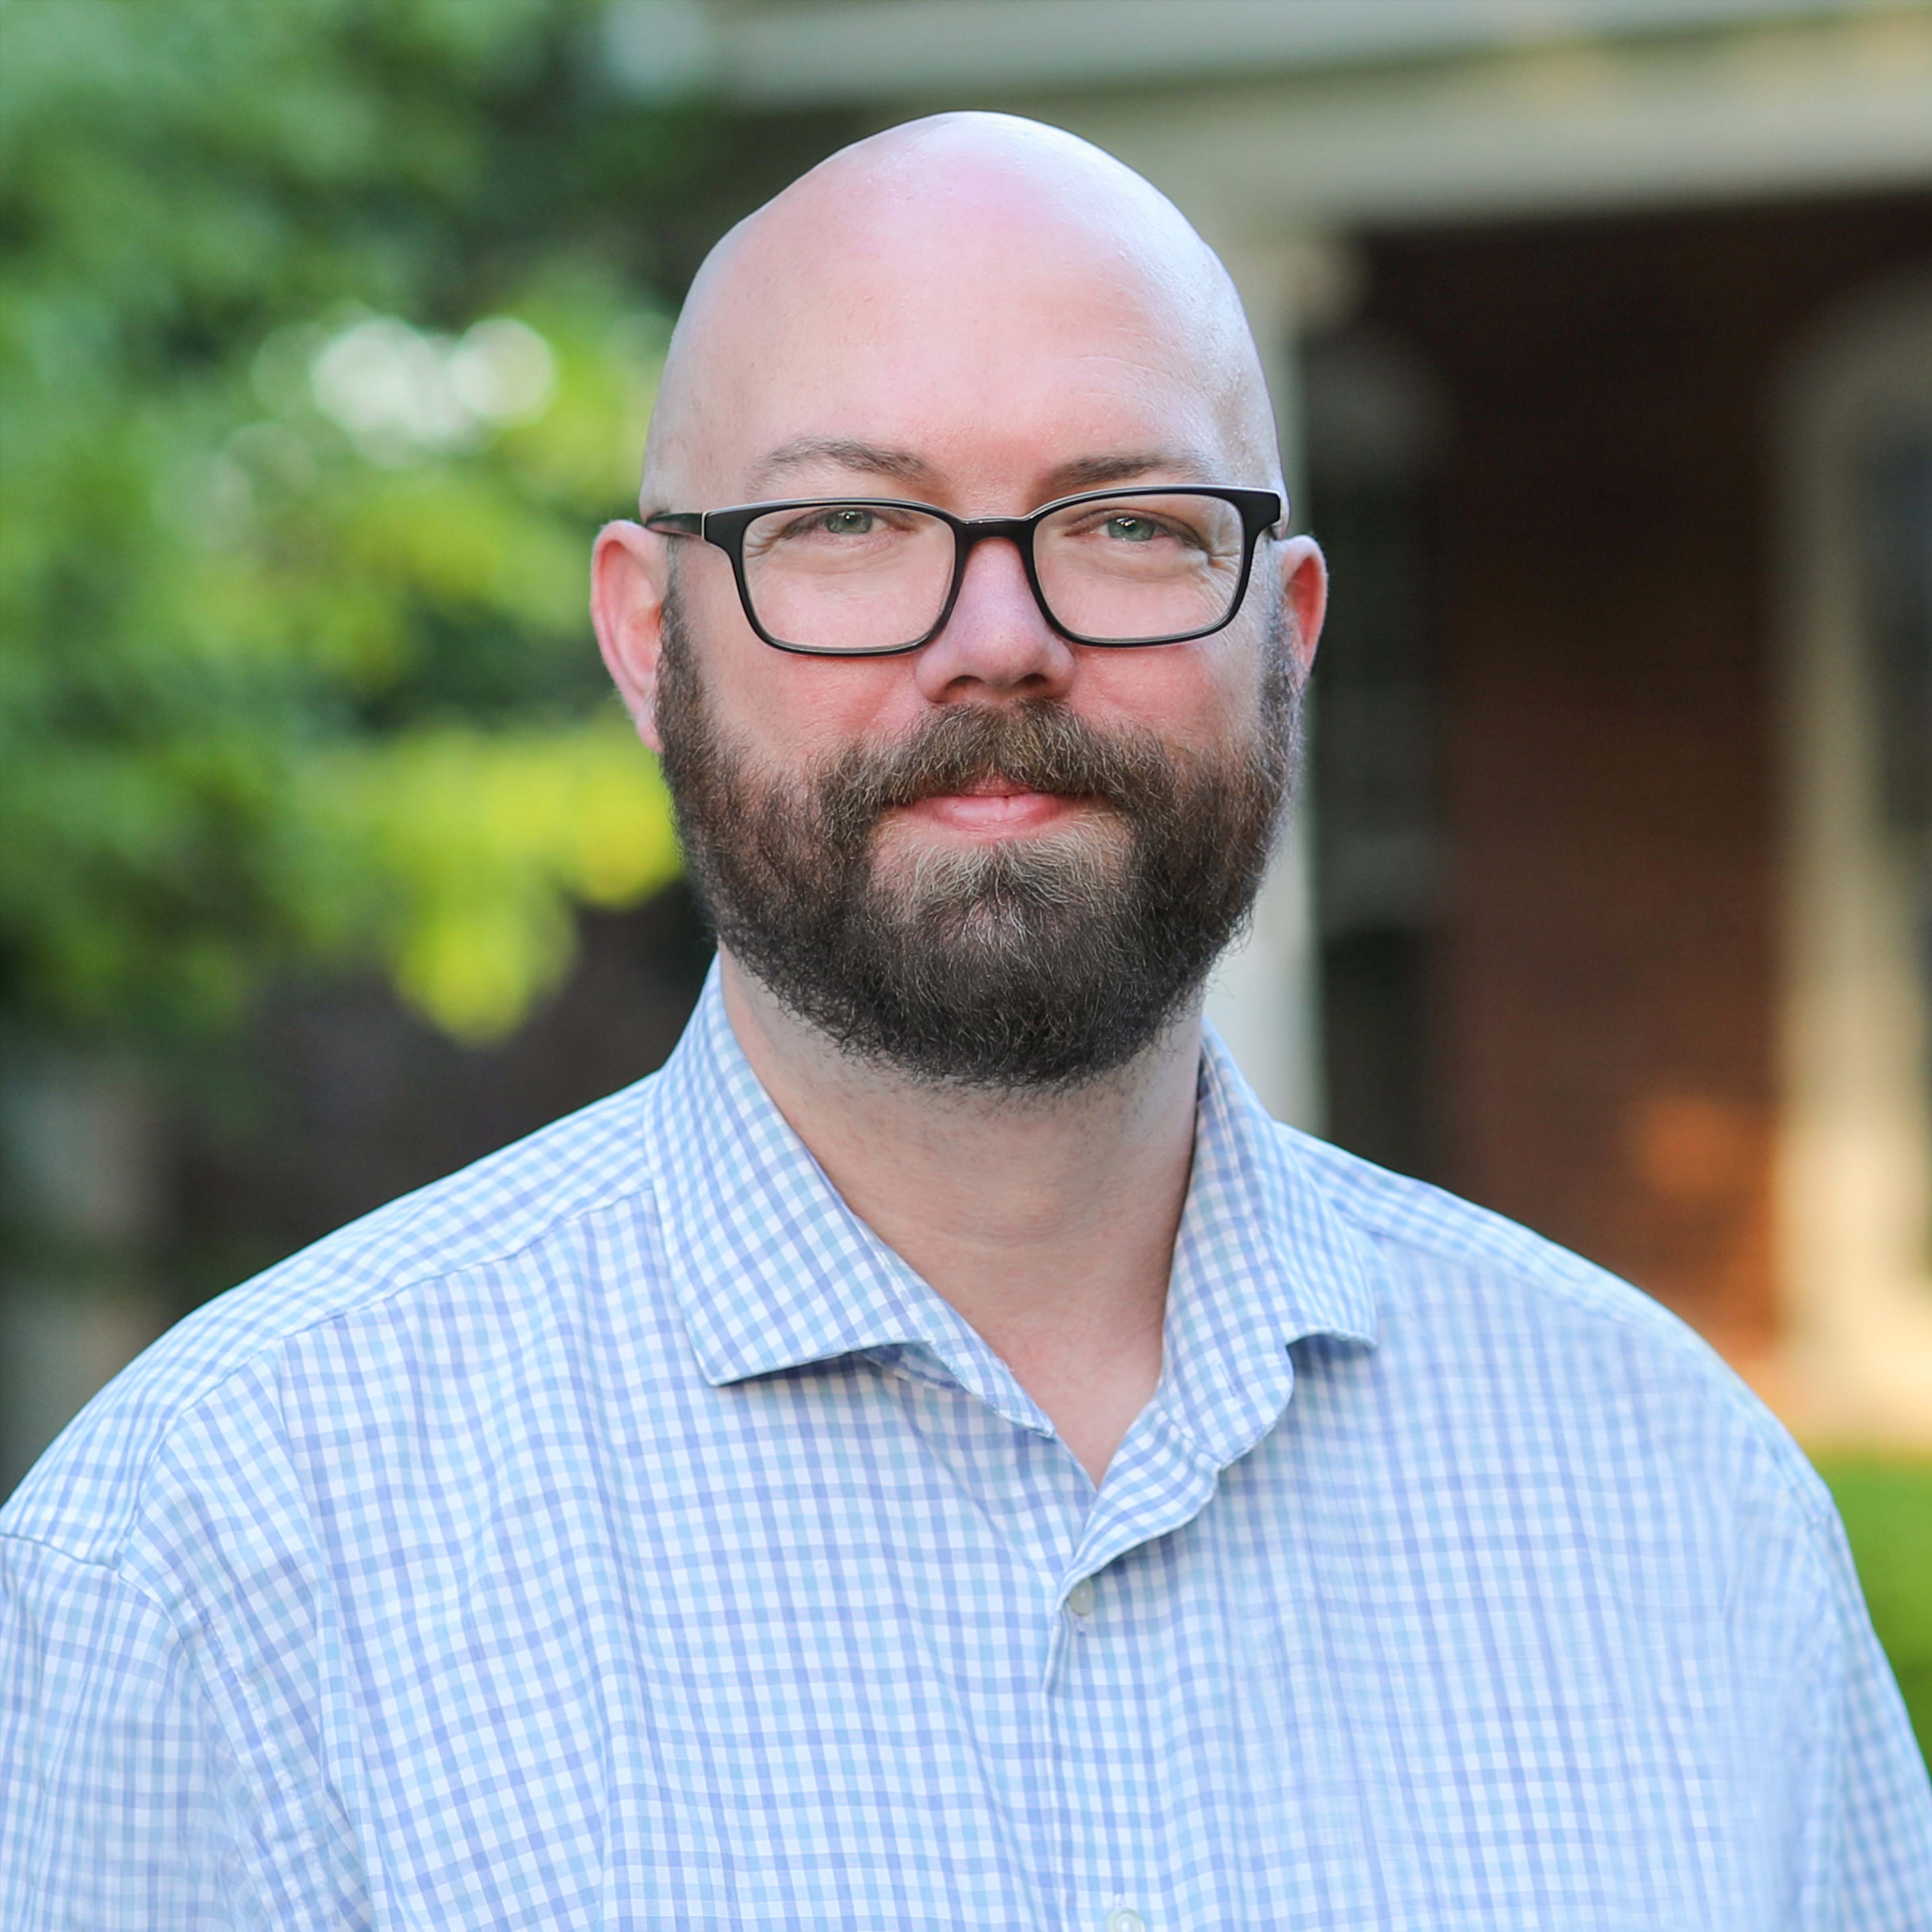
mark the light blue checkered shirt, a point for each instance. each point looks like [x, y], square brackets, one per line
[618, 1534]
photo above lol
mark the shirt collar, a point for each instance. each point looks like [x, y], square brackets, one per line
[1263, 1260]
[773, 1271]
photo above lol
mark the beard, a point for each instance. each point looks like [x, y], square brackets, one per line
[1035, 964]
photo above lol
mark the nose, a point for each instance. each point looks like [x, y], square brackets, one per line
[998, 643]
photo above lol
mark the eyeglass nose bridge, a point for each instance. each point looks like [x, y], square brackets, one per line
[969, 533]
[974, 530]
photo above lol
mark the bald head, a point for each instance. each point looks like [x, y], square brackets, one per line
[938, 293]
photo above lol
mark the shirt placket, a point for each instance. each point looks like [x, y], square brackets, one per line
[1108, 1636]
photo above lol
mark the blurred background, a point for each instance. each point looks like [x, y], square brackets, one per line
[1601, 335]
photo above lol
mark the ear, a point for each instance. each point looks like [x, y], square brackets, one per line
[1304, 583]
[629, 572]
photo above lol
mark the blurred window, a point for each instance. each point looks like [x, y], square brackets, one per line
[1375, 430]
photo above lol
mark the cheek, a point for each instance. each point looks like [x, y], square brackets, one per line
[1196, 695]
[793, 708]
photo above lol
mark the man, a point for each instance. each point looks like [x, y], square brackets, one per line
[937, 1453]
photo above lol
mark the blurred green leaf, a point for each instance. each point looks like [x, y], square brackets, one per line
[325, 346]
[1886, 1504]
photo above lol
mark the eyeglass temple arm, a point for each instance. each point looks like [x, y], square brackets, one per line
[676, 524]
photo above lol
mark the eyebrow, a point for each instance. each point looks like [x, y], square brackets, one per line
[1096, 473]
[902, 465]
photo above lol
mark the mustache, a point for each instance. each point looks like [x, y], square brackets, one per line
[1035, 744]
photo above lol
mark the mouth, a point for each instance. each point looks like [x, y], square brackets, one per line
[996, 807]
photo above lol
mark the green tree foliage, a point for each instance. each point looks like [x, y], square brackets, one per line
[1887, 1506]
[325, 343]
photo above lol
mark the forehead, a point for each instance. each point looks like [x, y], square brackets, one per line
[993, 349]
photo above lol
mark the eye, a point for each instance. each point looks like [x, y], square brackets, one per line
[1125, 529]
[848, 520]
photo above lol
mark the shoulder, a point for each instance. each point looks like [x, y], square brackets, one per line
[492, 1231]
[1538, 1327]
[1432, 1243]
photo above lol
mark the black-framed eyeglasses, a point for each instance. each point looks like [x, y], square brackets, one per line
[872, 576]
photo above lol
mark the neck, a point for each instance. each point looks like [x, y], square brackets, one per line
[1049, 1221]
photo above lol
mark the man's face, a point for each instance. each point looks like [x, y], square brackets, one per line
[1002, 859]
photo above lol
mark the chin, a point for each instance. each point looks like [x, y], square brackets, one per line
[933, 871]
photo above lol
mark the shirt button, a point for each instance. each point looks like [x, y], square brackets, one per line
[1120, 1919]
[1080, 1601]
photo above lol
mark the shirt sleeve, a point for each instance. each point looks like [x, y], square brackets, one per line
[112, 1769]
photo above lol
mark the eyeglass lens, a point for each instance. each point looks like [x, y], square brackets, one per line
[870, 577]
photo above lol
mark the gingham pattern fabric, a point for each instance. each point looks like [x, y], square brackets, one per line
[618, 1535]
